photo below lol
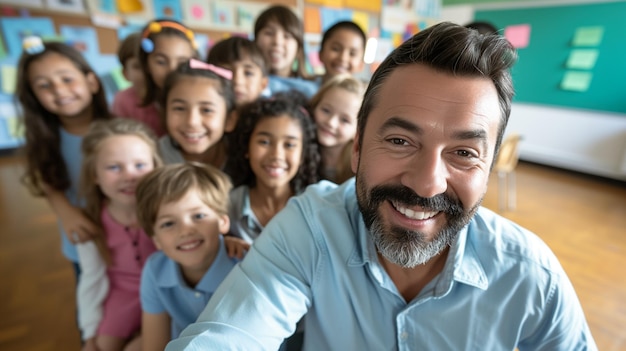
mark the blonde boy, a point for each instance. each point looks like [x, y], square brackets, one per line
[183, 207]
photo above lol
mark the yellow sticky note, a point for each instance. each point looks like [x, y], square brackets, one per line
[576, 81]
[129, 6]
[362, 19]
[9, 79]
[367, 5]
[588, 36]
[582, 59]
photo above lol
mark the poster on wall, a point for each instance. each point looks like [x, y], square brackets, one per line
[196, 13]
[16, 29]
[66, 5]
[168, 9]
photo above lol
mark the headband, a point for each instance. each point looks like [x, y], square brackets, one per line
[33, 45]
[155, 27]
[222, 72]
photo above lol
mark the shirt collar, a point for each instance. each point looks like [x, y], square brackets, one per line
[247, 214]
[171, 276]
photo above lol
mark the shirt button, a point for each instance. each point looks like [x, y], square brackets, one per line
[404, 335]
[198, 295]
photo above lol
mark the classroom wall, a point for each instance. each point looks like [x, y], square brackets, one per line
[584, 140]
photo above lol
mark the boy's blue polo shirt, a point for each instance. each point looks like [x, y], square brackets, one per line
[163, 288]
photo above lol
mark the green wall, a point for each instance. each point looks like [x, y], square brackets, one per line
[541, 66]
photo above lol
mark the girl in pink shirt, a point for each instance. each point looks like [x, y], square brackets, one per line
[117, 154]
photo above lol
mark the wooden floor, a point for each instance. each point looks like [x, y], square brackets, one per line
[582, 218]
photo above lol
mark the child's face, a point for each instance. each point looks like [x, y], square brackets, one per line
[169, 52]
[187, 231]
[275, 151]
[343, 53]
[196, 114]
[60, 86]
[248, 80]
[132, 72]
[335, 117]
[279, 48]
[121, 162]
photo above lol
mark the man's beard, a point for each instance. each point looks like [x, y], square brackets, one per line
[401, 246]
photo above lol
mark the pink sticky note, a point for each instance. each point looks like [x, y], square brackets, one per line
[518, 35]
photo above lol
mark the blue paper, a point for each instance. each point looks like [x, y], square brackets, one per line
[331, 16]
[15, 29]
[107, 6]
[84, 39]
[168, 9]
[123, 32]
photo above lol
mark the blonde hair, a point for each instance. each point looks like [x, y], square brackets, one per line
[99, 131]
[343, 81]
[344, 164]
[171, 182]
[353, 85]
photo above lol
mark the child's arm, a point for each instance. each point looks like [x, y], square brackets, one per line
[93, 287]
[155, 331]
[235, 247]
[72, 218]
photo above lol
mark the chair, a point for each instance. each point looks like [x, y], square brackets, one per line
[505, 164]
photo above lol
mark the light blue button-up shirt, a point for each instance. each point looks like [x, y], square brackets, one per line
[501, 288]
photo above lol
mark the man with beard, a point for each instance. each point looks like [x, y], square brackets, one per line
[405, 258]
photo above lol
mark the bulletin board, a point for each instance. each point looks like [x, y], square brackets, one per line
[575, 56]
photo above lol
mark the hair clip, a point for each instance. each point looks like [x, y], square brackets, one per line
[147, 45]
[222, 72]
[33, 45]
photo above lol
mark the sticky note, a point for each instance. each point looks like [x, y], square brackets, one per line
[518, 35]
[582, 59]
[576, 81]
[312, 21]
[588, 36]
[13, 126]
[9, 78]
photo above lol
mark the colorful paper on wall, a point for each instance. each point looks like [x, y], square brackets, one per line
[367, 5]
[117, 74]
[66, 5]
[247, 14]
[312, 20]
[330, 16]
[84, 39]
[3, 51]
[588, 36]
[196, 13]
[362, 19]
[16, 29]
[576, 81]
[582, 59]
[518, 35]
[223, 13]
[330, 3]
[123, 32]
[130, 6]
[9, 78]
[204, 43]
[168, 9]
[427, 8]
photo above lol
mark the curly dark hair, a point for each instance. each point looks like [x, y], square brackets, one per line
[290, 103]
